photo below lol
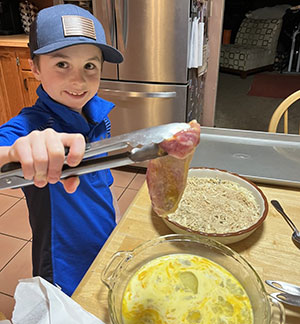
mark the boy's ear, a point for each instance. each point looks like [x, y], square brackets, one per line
[34, 69]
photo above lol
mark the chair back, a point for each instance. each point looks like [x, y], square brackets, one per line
[282, 110]
[259, 33]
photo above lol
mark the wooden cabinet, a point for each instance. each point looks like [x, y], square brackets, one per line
[30, 85]
[3, 100]
[10, 84]
[17, 83]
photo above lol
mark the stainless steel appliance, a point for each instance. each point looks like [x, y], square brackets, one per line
[151, 86]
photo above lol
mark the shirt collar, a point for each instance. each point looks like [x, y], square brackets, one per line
[96, 109]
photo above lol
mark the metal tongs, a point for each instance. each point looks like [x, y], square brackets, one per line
[141, 145]
[289, 293]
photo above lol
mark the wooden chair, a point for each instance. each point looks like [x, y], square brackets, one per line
[2, 317]
[282, 110]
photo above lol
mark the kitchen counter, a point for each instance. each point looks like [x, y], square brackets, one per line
[269, 249]
[19, 40]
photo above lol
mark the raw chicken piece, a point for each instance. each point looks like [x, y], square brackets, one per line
[166, 176]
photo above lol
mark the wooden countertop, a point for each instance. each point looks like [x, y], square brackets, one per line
[269, 249]
[19, 40]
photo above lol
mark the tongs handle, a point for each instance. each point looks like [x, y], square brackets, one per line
[11, 166]
[136, 155]
[143, 137]
[12, 175]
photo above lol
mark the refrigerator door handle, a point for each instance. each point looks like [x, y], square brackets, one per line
[107, 19]
[125, 21]
[140, 94]
[121, 9]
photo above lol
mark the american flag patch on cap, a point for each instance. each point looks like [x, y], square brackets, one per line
[78, 26]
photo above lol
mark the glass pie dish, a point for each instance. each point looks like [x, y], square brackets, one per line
[124, 264]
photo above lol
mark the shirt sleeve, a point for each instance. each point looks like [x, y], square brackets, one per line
[16, 127]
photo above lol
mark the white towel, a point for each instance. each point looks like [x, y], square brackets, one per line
[196, 44]
[200, 43]
[193, 44]
[39, 302]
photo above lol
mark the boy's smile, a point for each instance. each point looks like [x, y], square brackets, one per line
[70, 76]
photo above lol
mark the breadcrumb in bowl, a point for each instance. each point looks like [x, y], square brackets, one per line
[220, 205]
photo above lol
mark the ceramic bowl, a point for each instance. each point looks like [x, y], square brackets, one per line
[226, 237]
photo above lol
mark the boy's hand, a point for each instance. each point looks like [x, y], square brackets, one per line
[42, 154]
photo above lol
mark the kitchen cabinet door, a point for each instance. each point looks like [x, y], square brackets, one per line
[18, 85]
[30, 85]
[3, 99]
[11, 87]
[28, 81]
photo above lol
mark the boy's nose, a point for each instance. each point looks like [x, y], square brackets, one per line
[77, 76]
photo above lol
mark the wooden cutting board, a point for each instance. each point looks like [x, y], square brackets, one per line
[269, 249]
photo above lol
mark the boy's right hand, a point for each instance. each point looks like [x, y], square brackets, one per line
[42, 155]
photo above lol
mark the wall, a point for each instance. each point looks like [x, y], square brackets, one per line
[235, 11]
[255, 4]
[41, 4]
[215, 23]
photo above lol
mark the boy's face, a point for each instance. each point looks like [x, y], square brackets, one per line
[70, 76]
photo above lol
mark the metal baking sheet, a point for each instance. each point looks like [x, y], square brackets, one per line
[270, 158]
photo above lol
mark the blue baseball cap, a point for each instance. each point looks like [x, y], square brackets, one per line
[65, 25]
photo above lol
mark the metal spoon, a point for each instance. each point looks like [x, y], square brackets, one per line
[296, 233]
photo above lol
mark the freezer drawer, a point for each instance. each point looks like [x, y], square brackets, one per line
[143, 105]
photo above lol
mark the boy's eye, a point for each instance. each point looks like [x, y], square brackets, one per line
[62, 65]
[89, 66]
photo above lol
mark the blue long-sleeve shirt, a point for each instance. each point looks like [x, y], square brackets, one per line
[68, 229]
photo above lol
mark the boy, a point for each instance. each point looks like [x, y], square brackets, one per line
[68, 47]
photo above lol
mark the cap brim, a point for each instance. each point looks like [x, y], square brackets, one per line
[110, 54]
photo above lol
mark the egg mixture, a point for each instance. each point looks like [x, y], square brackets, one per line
[185, 288]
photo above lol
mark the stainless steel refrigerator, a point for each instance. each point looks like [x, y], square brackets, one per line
[151, 86]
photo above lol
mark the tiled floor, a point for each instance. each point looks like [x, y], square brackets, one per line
[15, 233]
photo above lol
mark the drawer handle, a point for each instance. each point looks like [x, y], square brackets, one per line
[137, 94]
[25, 84]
